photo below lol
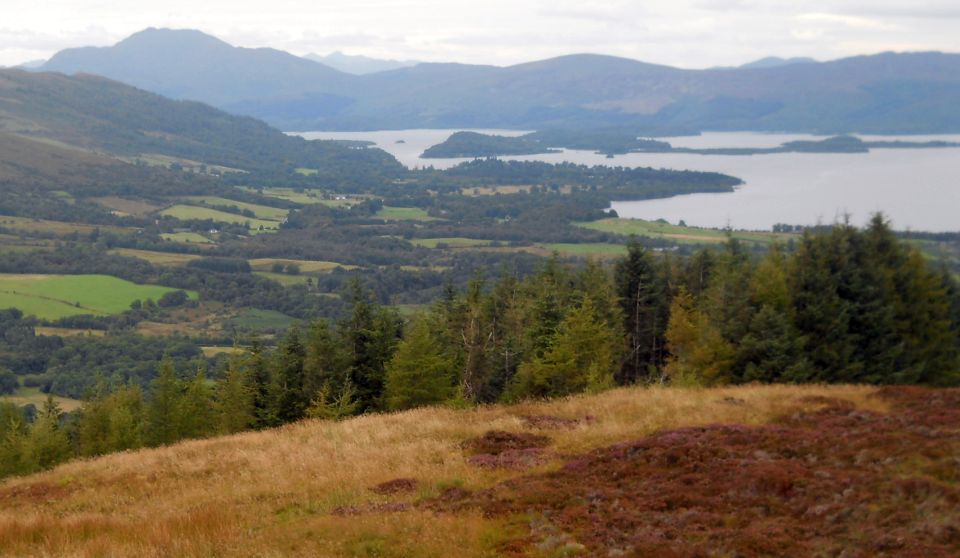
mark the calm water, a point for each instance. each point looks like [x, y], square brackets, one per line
[917, 189]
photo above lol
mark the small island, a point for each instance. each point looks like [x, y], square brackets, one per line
[619, 142]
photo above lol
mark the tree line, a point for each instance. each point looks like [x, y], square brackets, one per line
[846, 305]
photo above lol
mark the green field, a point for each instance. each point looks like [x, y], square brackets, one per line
[305, 197]
[261, 211]
[56, 296]
[156, 258]
[193, 212]
[451, 242]
[33, 395]
[587, 249]
[307, 172]
[186, 238]
[283, 278]
[404, 214]
[255, 319]
[677, 233]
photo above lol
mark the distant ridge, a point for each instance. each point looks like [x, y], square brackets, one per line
[359, 65]
[892, 93]
[775, 62]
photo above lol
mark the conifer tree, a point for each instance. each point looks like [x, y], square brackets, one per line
[235, 408]
[419, 373]
[581, 356]
[644, 300]
[195, 408]
[163, 420]
[47, 443]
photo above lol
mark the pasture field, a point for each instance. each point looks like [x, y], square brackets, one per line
[306, 266]
[169, 259]
[308, 488]
[255, 319]
[305, 197]
[588, 249]
[403, 214]
[451, 242]
[126, 206]
[261, 211]
[186, 238]
[33, 395]
[195, 212]
[68, 332]
[214, 351]
[59, 228]
[57, 296]
[677, 233]
[283, 278]
[306, 172]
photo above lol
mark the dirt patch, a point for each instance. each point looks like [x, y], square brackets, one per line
[375, 507]
[834, 481]
[395, 486]
[550, 422]
[496, 442]
[38, 493]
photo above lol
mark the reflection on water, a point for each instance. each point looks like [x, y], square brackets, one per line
[917, 189]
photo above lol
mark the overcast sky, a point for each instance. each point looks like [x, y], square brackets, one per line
[684, 33]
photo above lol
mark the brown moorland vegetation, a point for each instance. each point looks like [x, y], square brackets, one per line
[664, 470]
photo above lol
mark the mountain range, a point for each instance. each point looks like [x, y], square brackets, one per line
[359, 65]
[883, 93]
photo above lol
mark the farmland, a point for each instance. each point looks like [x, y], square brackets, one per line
[404, 214]
[261, 211]
[156, 258]
[193, 212]
[56, 296]
[59, 228]
[450, 242]
[681, 234]
[186, 238]
[598, 249]
[306, 266]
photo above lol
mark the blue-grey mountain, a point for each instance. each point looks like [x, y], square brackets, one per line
[883, 93]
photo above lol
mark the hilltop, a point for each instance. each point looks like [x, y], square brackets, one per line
[881, 93]
[855, 469]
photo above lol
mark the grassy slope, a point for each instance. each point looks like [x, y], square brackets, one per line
[272, 493]
[55, 296]
[261, 211]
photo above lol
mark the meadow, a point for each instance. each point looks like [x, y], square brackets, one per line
[388, 213]
[261, 211]
[450, 242]
[194, 212]
[307, 488]
[157, 258]
[186, 238]
[681, 234]
[56, 296]
[58, 228]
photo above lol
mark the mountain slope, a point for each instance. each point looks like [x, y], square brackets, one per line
[98, 114]
[884, 93]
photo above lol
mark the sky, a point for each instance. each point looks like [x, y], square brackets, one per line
[682, 33]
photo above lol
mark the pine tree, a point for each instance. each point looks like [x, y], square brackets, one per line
[163, 420]
[420, 373]
[47, 443]
[288, 397]
[235, 409]
[195, 409]
[645, 302]
[699, 354]
[581, 357]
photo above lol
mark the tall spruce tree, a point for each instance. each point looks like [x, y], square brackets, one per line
[645, 303]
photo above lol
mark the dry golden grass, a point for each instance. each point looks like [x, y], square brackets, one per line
[170, 259]
[271, 493]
